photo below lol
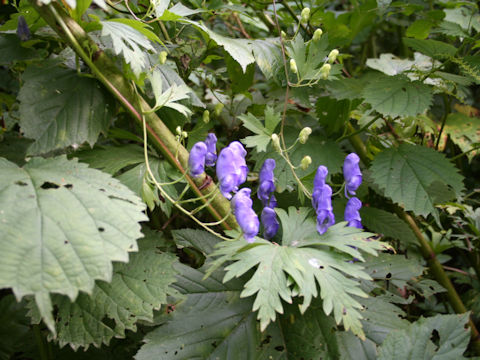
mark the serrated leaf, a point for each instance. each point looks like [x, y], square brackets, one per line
[61, 226]
[198, 239]
[264, 133]
[129, 42]
[310, 260]
[407, 172]
[309, 57]
[58, 108]
[387, 224]
[415, 343]
[464, 131]
[433, 48]
[136, 289]
[170, 96]
[347, 88]
[419, 29]
[397, 96]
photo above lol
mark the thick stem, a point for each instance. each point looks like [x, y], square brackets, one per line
[105, 71]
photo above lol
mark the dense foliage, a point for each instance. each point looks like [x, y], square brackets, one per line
[239, 180]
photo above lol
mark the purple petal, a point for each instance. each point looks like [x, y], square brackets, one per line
[196, 159]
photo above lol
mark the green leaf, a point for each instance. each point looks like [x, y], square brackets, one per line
[129, 42]
[264, 133]
[406, 173]
[309, 57]
[198, 239]
[347, 88]
[136, 289]
[112, 159]
[464, 131]
[61, 226]
[240, 80]
[419, 29]
[14, 326]
[353, 348]
[332, 113]
[58, 108]
[387, 224]
[268, 57]
[307, 261]
[415, 343]
[397, 96]
[433, 48]
[11, 50]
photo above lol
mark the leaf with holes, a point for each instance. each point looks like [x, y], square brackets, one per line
[398, 96]
[61, 226]
[136, 289]
[408, 175]
[58, 108]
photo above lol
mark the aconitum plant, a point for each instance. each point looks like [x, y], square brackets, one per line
[211, 142]
[246, 217]
[265, 194]
[352, 174]
[231, 168]
[196, 160]
[322, 200]
[352, 214]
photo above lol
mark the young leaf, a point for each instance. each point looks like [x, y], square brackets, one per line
[171, 96]
[136, 289]
[58, 108]
[129, 42]
[61, 226]
[414, 342]
[407, 173]
[398, 96]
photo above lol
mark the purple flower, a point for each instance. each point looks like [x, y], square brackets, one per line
[267, 185]
[246, 217]
[352, 173]
[231, 168]
[352, 214]
[270, 223]
[322, 200]
[23, 32]
[196, 160]
[211, 142]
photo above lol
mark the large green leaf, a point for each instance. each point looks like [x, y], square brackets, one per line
[212, 323]
[136, 289]
[432, 48]
[11, 50]
[306, 259]
[58, 108]
[61, 226]
[398, 96]
[415, 341]
[408, 175]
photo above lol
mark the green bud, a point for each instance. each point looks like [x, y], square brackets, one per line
[305, 15]
[218, 109]
[332, 56]
[276, 143]
[162, 57]
[293, 66]
[325, 70]
[178, 130]
[304, 134]
[305, 163]
[184, 134]
[206, 116]
[317, 35]
[283, 35]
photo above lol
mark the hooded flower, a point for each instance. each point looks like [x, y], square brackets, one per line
[352, 214]
[246, 217]
[352, 173]
[196, 160]
[267, 185]
[270, 223]
[322, 201]
[211, 142]
[231, 168]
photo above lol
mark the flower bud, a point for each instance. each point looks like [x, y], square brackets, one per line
[332, 56]
[276, 143]
[162, 57]
[266, 181]
[325, 70]
[178, 130]
[246, 217]
[305, 163]
[317, 35]
[269, 222]
[293, 66]
[352, 173]
[283, 35]
[352, 214]
[184, 134]
[305, 15]
[304, 134]
[23, 32]
[196, 160]
[211, 142]
[206, 116]
[218, 109]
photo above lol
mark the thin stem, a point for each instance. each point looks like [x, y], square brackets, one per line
[365, 127]
[446, 101]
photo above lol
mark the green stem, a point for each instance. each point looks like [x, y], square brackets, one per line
[105, 71]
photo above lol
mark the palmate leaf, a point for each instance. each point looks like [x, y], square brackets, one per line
[136, 289]
[61, 226]
[306, 259]
[263, 133]
[308, 56]
[398, 96]
[58, 108]
[408, 175]
[415, 341]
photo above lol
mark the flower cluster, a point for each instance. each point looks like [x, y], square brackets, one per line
[202, 153]
[322, 195]
[246, 217]
[265, 194]
[231, 168]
